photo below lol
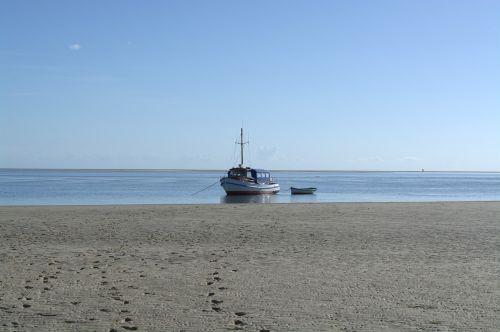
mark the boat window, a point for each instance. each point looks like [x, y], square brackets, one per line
[238, 172]
[262, 177]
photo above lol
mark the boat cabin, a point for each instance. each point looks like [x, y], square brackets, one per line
[261, 175]
[257, 175]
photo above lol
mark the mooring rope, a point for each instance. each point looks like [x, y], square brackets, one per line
[199, 191]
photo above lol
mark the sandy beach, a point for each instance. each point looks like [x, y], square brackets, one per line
[253, 267]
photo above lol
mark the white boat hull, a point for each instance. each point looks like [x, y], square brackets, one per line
[239, 187]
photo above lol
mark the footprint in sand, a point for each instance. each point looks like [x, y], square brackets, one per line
[24, 298]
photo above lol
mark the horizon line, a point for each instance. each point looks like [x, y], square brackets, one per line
[224, 170]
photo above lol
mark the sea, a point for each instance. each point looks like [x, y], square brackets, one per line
[102, 187]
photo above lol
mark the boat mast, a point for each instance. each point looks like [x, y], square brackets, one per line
[241, 143]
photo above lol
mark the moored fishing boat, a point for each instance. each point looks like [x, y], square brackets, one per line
[244, 180]
[302, 191]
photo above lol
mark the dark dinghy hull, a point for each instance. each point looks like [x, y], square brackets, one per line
[303, 191]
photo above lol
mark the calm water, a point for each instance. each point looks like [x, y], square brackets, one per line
[42, 187]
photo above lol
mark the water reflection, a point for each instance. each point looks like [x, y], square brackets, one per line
[303, 198]
[262, 199]
[249, 199]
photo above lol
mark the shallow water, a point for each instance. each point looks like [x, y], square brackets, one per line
[47, 187]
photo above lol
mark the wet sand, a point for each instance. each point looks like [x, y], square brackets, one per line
[253, 267]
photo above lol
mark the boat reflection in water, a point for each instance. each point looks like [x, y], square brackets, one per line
[263, 199]
[248, 199]
[303, 198]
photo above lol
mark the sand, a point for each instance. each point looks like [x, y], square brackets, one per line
[254, 267]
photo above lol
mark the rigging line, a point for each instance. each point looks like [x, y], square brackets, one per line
[233, 157]
[249, 154]
[250, 160]
[236, 157]
[199, 191]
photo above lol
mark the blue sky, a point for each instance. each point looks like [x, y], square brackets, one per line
[359, 85]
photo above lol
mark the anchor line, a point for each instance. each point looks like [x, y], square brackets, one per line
[199, 191]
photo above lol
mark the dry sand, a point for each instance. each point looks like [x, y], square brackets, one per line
[294, 267]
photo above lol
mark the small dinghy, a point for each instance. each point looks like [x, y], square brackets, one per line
[302, 191]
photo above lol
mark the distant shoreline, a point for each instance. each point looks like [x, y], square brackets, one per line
[224, 170]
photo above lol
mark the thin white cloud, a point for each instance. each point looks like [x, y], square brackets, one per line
[373, 159]
[266, 152]
[75, 47]
[411, 158]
